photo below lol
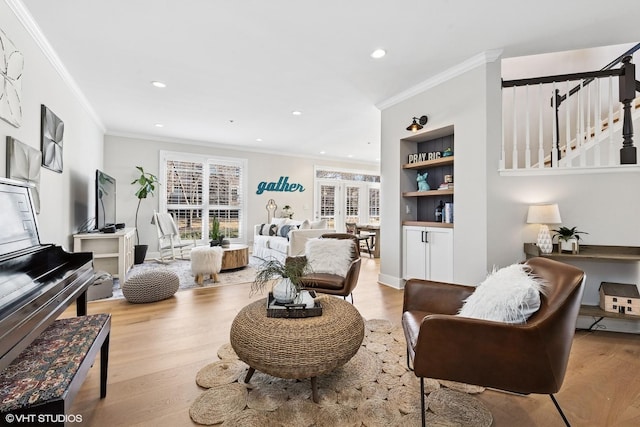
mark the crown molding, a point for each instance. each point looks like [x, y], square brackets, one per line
[239, 148]
[27, 21]
[461, 68]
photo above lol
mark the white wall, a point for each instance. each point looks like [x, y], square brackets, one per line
[463, 102]
[491, 210]
[67, 198]
[122, 154]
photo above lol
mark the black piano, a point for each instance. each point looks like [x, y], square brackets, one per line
[37, 281]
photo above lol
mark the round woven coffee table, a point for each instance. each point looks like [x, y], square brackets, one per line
[297, 348]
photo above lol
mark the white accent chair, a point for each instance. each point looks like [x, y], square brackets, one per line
[169, 242]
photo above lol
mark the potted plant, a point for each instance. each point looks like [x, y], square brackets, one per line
[289, 273]
[287, 212]
[568, 238]
[146, 185]
[215, 238]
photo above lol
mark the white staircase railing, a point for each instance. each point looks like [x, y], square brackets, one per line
[544, 130]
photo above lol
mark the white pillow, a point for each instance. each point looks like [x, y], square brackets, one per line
[509, 295]
[331, 256]
[319, 225]
[279, 221]
[306, 225]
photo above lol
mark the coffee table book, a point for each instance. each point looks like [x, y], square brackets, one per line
[292, 311]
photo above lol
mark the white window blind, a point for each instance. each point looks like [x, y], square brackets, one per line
[198, 188]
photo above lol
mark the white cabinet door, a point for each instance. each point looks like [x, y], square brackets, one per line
[414, 253]
[428, 253]
[440, 259]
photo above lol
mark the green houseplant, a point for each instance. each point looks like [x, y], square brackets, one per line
[568, 238]
[290, 274]
[145, 186]
[215, 238]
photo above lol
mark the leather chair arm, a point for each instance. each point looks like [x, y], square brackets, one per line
[487, 353]
[434, 297]
[351, 280]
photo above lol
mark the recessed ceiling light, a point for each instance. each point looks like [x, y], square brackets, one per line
[259, 139]
[350, 155]
[296, 113]
[159, 125]
[378, 53]
[322, 152]
[158, 84]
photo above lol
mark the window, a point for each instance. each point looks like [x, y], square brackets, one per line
[195, 188]
[347, 196]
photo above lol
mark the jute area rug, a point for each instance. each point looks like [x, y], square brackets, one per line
[187, 281]
[375, 388]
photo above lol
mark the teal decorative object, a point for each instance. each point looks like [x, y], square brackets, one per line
[447, 153]
[423, 185]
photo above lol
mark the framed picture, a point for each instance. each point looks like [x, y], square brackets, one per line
[23, 164]
[11, 64]
[51, 139]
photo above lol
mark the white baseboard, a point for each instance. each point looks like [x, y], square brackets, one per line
[391, 281]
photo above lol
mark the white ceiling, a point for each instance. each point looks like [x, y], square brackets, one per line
[236, 70]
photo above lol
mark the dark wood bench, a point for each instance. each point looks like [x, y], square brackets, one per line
[37, 388]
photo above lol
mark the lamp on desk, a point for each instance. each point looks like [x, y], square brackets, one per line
[543, 215]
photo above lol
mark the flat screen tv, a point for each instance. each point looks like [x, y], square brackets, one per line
[105, 200]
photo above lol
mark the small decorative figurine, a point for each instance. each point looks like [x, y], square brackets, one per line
[447, 153]
[423, 185]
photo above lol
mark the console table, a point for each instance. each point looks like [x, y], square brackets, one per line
[112, 252]
[591, 253]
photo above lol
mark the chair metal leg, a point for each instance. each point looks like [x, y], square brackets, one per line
[344, 297]
[564, 418]
[424, 422]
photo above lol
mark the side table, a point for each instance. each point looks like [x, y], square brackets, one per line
[297, 348]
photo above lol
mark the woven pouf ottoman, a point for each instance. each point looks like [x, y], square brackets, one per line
[151, 286]
[206, 261]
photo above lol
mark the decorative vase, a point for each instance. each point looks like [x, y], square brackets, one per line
[225, 243]
[284, 291]
[304, 297]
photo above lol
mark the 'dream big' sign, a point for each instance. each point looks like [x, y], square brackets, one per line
[282, 186]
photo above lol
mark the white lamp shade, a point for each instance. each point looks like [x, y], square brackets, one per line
[544, 214]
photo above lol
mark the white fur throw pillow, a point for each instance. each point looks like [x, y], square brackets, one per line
[331, 256]
[509, 295]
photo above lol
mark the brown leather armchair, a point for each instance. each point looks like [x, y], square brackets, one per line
[520, 358]
[331, 283]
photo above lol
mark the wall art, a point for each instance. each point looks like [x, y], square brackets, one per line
[11, 64]
[51, 140]
[23, 164]
[282, 185]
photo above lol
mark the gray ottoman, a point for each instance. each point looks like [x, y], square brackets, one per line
[151, 286]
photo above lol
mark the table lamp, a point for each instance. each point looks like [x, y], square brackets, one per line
[543, 215]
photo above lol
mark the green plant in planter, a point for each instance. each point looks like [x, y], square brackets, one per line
[214, 232]
[566, 233]
[146, 185]
[293, 269]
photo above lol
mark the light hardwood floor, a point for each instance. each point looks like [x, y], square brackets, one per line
[157, 349]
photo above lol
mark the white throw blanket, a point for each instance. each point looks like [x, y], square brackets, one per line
[166, 225]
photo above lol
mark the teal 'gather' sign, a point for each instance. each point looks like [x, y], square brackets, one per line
[282, 186]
